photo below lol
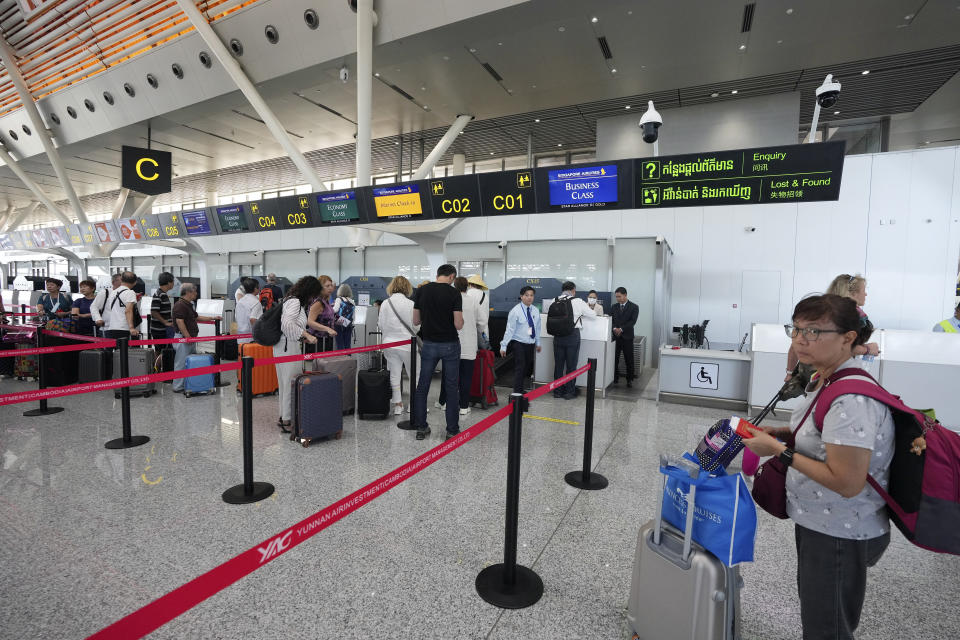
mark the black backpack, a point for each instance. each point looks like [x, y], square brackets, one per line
[560, 317]
[267, 330]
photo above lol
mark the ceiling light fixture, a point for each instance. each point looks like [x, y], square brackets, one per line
[376, 75]
[789, 12]
[614, 70]
[742, 47]
[559, 145]
[537, 120]
[594, 20]
[472, 50]
[909, 16]
[499, 44]
[627, 107]
[561, 29]
[714, 94]
[865, 72]
[734, 92]
[836, 113]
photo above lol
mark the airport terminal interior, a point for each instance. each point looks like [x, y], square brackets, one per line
[704, 166]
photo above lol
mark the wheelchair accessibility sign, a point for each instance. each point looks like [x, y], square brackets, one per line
[704, 375]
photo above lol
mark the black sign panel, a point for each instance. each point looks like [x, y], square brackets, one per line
[606, 185]
[295, 212]
[150, 226]
[232, 218]
[172, 225]
[264, 215]
[793, 173]
[146, 171]
[338, 207]
[507, 192]
[455, 197]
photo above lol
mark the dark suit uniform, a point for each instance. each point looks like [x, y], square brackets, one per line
[624, 318]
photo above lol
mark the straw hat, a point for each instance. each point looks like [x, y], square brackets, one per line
[477, 280]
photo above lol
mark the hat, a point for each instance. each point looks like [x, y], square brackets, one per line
[477, 280]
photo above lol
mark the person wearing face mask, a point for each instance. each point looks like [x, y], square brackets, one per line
[522, 336]
[593, 301]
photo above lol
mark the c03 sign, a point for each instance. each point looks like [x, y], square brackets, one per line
[294, 212]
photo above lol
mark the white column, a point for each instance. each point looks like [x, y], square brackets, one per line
[442, 145]
[459, 160]
[16, 218]
[33, 186]
[364, 88]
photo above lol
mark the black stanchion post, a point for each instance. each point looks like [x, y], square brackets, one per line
[509, 585]
[127, 440]
[586, 479]
[217, 354]
[408, 425]
[249, 491]
[43, 410]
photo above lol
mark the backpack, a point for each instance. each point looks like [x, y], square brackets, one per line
[923, 499]
[560, 317]
[137, 318]
[346, 309]
[267, 301]
[267, 330]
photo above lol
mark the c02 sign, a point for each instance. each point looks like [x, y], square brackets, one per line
[456, 205]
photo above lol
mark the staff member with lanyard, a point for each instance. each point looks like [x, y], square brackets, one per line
[523, 331]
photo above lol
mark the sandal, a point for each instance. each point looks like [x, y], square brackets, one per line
[283, 424]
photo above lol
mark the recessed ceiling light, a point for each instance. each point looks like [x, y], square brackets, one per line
[561, 29]
[472, 50]
[742, 47]
[461, 133]
[499, 44]
[426, 108]
[779, 41]
[537, 120]
[714, 94]
[559, 145]
[630, 13]
[734, 92]
[423, 88]
[594, 20]
[533, 86]
[909, 16]
[789, 12]
[836, 113]
[396, 142]
[376, 75]
[446, 57]
[627, 107]
[491, 153]
[614, 70]
[865, 72]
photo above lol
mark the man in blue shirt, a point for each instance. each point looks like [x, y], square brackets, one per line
[523, 330]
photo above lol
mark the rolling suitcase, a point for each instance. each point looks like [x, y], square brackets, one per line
[482, 389]
[202, 384]
[345, 367]
[140, 363]
[317, 410]
[6, 363]
[26, 366]
[679, 590]
[374, 394]
[264, 376]
[94, 365]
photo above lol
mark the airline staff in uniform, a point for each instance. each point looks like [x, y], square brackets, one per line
[523, 331]
[950, 325]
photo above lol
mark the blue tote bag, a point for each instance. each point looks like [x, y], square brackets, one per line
[725, 517]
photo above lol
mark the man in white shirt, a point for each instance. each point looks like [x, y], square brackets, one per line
[248, 308]
[98, 308]
[119, 312]
[565, 318]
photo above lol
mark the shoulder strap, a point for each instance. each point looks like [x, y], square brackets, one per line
[866, 385]
[483, 296]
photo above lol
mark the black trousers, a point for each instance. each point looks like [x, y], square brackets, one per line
[624, 345]
[523, 355]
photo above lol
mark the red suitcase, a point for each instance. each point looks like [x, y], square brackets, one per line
[482, 391]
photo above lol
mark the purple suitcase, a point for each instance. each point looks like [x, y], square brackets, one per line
[317, 407]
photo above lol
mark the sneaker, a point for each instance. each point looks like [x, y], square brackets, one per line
[439, 406]
[465, 412]
[423, 433]
[398, 410]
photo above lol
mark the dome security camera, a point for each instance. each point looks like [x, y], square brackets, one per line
[650, 123]
[344, 74]
[828, 93]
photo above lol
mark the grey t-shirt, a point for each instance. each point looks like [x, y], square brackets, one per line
[854, 421]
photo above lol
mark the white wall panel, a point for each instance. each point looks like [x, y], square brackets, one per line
[887, 235]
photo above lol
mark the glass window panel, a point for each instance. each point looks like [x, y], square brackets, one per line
[583, 261]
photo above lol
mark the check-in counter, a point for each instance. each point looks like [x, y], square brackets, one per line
[594, 343]
[704, 376]
[211, 308]
[923, 368]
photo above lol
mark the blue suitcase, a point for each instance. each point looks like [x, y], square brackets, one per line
[317, 407]
[199, 384]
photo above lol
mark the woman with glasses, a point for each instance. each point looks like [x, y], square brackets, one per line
[840, 523]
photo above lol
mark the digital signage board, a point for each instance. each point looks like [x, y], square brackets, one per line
[150, 226]
[107, 231]
[171, 225]
[584, 187]
[455, 197]
[295, 212]
[74, 234]
[196, 222]
[264, 215]
[397, 202]
[232, 218]
[130, 230]
[338, 207]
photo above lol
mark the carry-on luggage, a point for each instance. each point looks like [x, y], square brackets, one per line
[202, 384]
[60, 369]
[482, 389]
[26, 366]
[94, 365]
[679, 590]
[264, 376]
[317, 409]
[346, 368]
[374, 394]
[140, 363]
[6, 364]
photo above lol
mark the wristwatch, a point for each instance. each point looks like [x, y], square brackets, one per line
[786, 457]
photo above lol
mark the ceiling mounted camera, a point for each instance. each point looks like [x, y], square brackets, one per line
[344, 74]
[650, 123]
[828, 93]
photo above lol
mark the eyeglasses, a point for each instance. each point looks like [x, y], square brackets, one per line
[810, 334]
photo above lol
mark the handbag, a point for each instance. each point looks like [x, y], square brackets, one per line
[770, 481]
[483, 342]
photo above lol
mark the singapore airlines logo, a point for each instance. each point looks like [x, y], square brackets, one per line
[275, 547]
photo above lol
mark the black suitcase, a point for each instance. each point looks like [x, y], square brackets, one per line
[6, 364]
[374, 394]
[94, 365]
[60, 369]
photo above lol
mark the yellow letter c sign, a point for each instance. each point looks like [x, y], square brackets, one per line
[140, 162]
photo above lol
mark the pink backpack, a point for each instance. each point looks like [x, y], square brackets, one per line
[924, 497]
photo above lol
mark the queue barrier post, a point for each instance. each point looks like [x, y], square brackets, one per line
[127, 440]
[43, 409]
[584, 478]
[249, 491]
[509, 585]
[217, 355]
[408, 425]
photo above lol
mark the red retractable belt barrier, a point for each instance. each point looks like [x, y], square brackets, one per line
[70, 347]
[329, 354]
[74, 336]
[559, 382]
[182, 599]
[140, 343]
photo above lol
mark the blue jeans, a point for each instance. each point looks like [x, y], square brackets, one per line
[430, 355]
[566, 352]
[181, 351]
[344, 337]
[466, 378]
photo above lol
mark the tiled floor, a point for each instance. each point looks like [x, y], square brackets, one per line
[88, 535]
